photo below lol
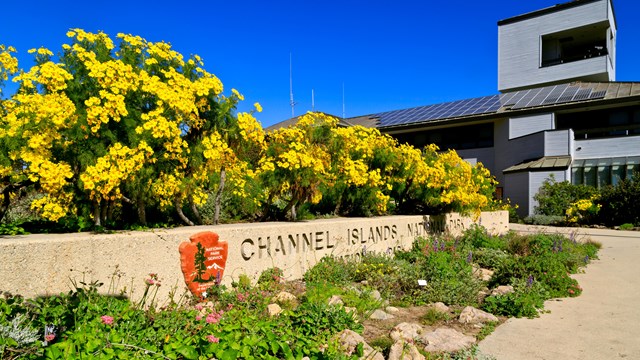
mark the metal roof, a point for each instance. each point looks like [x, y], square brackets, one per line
[544, 163]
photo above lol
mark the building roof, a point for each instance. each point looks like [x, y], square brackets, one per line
[341, 122]
[544, 11]
[512, 103]
[544, 163]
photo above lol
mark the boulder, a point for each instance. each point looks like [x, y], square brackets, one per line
[375, 295]
[274, 309]
[471, 315]
[439, 307]
[502, 290]
[335, 300]
[403, 350]
[380, 315]
[391, 309]
[285, 297]
[406, 331]
[446, 340]
[349, 340]
[482, 274]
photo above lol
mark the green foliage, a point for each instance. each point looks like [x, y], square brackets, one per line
[478, 237]
[489, 258]
[315, 318]
[331, 269]
[526, 300]
[620, 203]
[433, 316]
[626, 226]
[271, 277]
[544, 219]
[554, 198]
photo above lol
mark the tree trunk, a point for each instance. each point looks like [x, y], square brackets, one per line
[195, 211]
[142, 213]
[103, 212]
[6, 194]
[291, 209]
[178, 205]
[336, 211]
[218, 200]
[96, 213]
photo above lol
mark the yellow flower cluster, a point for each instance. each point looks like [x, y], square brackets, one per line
[103, 179]
[582, 208]
[250, 129]
[52, 76]
[8, 63]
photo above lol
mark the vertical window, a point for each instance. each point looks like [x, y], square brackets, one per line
[618, 169]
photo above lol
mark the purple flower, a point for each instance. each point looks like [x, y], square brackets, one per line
[530, 281]
[470, 257]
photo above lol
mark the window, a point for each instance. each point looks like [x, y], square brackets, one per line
[602, 172]
[574, 45]
[601, 123]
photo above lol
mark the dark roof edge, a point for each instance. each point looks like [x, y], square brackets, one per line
[547, 10]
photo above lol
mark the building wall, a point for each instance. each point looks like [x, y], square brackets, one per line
[606, 148]
[525, 125]
[483, 155]
[535, 182]
[519, 46]
[516, 187]
[558, 142]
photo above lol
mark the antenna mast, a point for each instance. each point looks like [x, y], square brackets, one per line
[343, 113]
[291, 102]
[313, 102]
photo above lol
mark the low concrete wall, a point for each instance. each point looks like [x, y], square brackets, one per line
[44, 264]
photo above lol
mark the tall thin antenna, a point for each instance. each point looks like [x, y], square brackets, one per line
[291, 102]
[343, 113]
[313, 101]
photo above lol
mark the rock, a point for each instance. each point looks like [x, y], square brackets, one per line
[502, 290]
[482, 274]
[285, 297]
[336, 300]
[375, 295]
[391, 309]
[351, 310]
[439, 307]
[446, 340]
[471, 315]
[402, 350]
[380, 315]
[349, 340]
[274, 309]
[406, 331]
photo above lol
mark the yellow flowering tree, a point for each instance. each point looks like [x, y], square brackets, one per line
[296, 163]
[112, 129]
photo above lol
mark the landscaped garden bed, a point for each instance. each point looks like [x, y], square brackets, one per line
[392, 300]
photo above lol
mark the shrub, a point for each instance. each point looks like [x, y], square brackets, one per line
[554, 198]
[619, 204]
[526, 300]
[330, 269]
[544, 220]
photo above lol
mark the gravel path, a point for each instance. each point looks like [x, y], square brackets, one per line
[602, 323]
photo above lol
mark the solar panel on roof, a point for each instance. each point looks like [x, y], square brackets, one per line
[522, 99]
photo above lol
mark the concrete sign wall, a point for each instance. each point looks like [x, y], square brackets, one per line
[44, 264]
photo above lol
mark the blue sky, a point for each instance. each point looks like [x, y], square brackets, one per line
[388, 55]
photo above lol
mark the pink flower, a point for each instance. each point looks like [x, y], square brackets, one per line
[49, 337]
[106, 319]
[199, 307]
[212, 339]
[230, 306]
[213, 318]
[198, 317]
[571, 291]
[150, 281]
[241, 297]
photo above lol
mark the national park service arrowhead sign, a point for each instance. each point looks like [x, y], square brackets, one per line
[203, 260]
